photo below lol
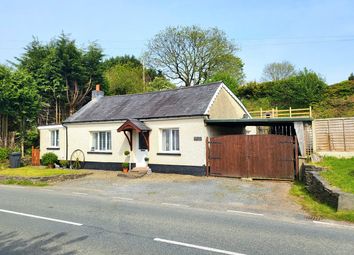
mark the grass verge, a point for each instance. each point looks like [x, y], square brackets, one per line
[316, 209]
[340, 172]
[23, 183]
[32, 171]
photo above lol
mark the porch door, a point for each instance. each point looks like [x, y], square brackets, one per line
[141, 150]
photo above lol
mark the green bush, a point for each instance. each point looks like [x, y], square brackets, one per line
[64, 163]
[49, 159]
[4, 153]
[126, 153]
[125, 165]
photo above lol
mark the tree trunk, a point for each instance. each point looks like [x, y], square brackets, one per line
[4, 130]
[23, 131]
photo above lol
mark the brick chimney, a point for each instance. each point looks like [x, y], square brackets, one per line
[97, 93]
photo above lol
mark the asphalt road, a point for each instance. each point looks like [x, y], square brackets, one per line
[43, 221]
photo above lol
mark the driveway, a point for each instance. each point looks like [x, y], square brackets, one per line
[192, 191]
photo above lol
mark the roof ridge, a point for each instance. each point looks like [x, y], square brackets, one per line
[167, 90]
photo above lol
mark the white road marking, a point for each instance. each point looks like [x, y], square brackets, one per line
[40, 217]
[331, 224]
[124, 198]
[172, 204]
[197, 247]
[249, 213]
[12, 186]
[48, 189]
[79, 193]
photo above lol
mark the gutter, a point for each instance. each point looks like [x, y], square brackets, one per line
[66, 141]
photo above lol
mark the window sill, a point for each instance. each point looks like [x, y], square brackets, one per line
[53, 149]
[100, 152]
[169, 153]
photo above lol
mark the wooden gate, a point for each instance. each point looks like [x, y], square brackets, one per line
[253, 156]
[35, 157]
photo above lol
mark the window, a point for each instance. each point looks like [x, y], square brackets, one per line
[143, 138]
[101, 141]
[54, 138]
[170, 140]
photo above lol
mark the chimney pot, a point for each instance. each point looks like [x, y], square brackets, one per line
[98, 87]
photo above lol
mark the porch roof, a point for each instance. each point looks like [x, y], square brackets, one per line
[133, 124]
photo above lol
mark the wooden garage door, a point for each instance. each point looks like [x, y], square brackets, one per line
[252, 156]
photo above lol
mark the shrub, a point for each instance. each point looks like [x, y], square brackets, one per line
[125, 165]
[64, 163]
[49, 158]
[126, 153]
[4, 154]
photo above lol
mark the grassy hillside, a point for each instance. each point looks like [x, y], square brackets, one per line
[338, 101]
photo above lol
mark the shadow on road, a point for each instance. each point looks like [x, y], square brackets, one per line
[12, 243]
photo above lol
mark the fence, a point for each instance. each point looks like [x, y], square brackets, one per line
[334, 134]
[287, 113]
[35, 157]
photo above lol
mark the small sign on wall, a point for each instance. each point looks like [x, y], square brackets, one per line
[198, 138]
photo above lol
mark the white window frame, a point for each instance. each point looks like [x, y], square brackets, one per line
[54, 138]
[171, 138]
[108, 142]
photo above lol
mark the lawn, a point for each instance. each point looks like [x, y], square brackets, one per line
[316, 209]
[32, 171]
[340, 172]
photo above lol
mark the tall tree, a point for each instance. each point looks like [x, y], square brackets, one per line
[278, 71]
[191, 55]
[65, 74]
[351, 77]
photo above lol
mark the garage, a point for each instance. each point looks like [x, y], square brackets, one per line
[271, 155]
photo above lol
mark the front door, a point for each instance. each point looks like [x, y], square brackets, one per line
[141, 150]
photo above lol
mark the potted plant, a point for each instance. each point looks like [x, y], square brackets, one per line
[49, 159]
[125, 167]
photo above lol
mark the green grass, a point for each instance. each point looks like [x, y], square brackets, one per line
[23, 183]
[340, 172]
[316, 209]
[31, 171]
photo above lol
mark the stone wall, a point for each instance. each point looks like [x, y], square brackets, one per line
[325, 193]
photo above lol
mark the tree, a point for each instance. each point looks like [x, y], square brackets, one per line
[64, 73]
[124, 79]
[192, 55]
[278, 71]
[302, 90]
[19, 99]
[160, 83]
[351, 77]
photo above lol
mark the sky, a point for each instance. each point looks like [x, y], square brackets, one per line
[318, 35]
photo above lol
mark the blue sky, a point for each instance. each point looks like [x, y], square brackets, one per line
[318, 35]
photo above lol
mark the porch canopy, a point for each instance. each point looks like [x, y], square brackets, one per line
[135, 125]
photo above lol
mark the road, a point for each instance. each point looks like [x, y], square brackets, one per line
[43, 221]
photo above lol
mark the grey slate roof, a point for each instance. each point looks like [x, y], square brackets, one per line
[186, 101]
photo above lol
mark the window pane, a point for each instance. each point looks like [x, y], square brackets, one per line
[102, 141]
[52, 138]
[95, 141]
[57, 138]
[109, 143]
[175, 135]
[166, 139]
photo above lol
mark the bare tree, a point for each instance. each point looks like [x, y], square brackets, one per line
[278, 71]
[191, 55]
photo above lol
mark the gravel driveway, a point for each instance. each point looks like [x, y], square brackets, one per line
[185, 190]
